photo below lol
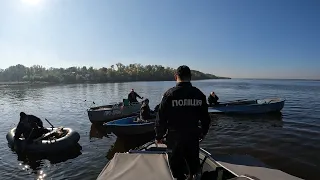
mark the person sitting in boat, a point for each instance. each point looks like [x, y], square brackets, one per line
[132, 96]
[145, 112]
[30, 126]
[156, 109]
[213, 99]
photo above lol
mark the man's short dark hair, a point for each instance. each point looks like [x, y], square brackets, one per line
[184, 72]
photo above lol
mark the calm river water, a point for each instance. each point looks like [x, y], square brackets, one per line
[289, 142]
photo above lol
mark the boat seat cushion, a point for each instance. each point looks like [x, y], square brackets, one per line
[134, 166]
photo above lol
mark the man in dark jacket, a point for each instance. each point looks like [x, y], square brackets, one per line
[132, 96]
[156, 109]
[213, 99]
[145, 112]
[30, 126]
[180, 110]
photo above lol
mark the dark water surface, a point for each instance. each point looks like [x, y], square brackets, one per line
[289, 142]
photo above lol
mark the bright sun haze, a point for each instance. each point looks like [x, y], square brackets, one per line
[245, 39]
[33, 2]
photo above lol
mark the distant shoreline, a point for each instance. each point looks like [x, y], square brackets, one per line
[281, 79]
[38, 75]
[22, 83]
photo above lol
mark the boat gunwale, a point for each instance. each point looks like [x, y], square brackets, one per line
[203, 152]
[70, 132]
[113, 123]
[281, 100]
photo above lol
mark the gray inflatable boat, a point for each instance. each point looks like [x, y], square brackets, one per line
[57, 139]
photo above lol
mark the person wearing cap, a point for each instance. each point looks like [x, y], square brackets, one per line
[30, 126]
[213, 99]
[180, 110]
[132, 96]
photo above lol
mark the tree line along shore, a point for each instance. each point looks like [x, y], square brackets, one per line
[20, 74]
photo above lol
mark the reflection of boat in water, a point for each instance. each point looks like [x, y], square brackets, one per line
[132, 165]
[123, 144]
[98, 131]
[270, 119]
[257, 106]
[35, 161]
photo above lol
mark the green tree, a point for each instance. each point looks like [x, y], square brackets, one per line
[122, 73]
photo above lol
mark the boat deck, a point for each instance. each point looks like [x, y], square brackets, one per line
[251, 167]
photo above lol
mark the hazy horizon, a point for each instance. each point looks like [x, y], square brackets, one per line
[237, 39]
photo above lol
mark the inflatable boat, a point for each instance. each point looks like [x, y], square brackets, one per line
[57, 139]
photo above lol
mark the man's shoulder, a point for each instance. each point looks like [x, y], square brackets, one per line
[170, 91]
[30, 116]
[198, 91]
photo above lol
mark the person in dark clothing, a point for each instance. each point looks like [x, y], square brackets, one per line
[132, 96]
[213, 99]
[30, 126]
[156, 109]
[180, 110]
[145, 112]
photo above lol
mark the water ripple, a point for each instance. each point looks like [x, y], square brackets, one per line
[288, 141]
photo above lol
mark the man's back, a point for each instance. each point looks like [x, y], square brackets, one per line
[180, 110]
[132, 96]
[35, 121]
[26, 126]
[183, 106]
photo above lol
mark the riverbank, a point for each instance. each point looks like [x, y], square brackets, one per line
[24, 83]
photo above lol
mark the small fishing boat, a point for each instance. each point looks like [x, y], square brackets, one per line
[101, 114]
[129, 126]
[249, 106]
[57, 139]
[151, 162]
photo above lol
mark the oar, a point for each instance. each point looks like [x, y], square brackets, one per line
[45, 135]
[49, 123]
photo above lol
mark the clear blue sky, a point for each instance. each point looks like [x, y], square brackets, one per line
[239, 38]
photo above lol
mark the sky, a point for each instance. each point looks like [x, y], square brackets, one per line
[233, 38]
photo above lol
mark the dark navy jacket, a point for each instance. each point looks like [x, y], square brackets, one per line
[145, 112]
[213, 100]
[26, 128]
[181, 109]
[132, 97]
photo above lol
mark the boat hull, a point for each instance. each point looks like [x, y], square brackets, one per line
[69, 140]
[108, 113]
[259, 107]
[127, 126]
